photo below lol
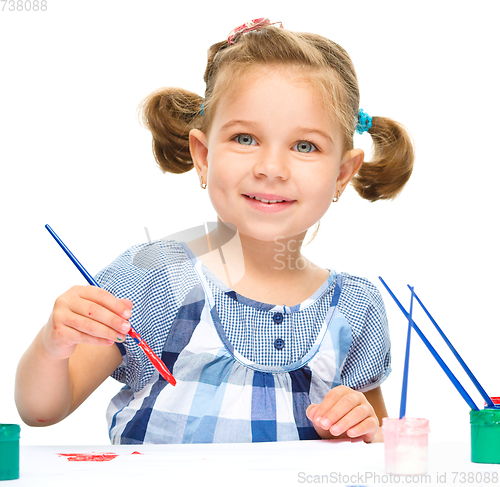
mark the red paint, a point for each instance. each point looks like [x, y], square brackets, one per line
[41, 420]
[136, 453]
[89, 457]
[160, 366]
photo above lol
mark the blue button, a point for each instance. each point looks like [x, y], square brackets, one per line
[278, 318]
[279, 343]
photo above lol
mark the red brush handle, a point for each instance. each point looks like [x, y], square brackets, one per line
[160, 366]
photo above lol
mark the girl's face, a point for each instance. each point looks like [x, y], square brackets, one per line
[273, 157]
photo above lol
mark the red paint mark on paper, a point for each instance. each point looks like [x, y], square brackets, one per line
[136, 453]
[89, 457]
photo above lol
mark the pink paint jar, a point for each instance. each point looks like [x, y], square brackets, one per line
[406, 445]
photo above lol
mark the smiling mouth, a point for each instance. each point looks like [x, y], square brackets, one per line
[266, 201]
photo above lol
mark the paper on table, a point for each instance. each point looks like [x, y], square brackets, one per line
[242, 463]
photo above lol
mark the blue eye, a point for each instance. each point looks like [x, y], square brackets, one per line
[304, 147]
[245, 139]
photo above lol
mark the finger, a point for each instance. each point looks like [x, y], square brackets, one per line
[311, 410]
[331, 398]
[367, 429]
[121, 307]
[83, 316]
[71, 336]
[351, 419]
[336, 404]
[96, 312]
[127, 303]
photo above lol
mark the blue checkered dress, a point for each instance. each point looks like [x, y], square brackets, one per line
[246, 371]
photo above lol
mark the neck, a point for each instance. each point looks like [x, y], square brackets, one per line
[279, 258]
[234, 257]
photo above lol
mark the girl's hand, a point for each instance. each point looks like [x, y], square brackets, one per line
[344, 410]
[85, 314]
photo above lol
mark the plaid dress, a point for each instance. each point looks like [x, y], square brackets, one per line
[246, 371]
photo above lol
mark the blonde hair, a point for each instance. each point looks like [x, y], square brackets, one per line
[170, 113]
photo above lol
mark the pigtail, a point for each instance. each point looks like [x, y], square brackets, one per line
[170, 113]
[391, 166]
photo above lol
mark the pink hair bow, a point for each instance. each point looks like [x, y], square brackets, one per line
[249, 26]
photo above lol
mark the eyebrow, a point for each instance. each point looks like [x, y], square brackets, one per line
[232, 123]
[307, 130]
[310, 130]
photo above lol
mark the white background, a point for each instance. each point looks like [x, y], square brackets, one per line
[74, 155]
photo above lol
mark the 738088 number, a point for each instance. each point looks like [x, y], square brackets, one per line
[24, 5]
[476, 478]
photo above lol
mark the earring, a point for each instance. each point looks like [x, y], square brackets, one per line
[337, 198]
[202, 184]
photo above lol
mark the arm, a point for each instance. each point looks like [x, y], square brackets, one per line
[345, 412]
[71, 355]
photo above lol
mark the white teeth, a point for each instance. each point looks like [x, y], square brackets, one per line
[266, 201]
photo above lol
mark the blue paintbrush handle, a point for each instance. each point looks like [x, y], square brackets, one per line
[160, 366]
[434, 353]
[404, 389]
[483, 393]
[75, 261]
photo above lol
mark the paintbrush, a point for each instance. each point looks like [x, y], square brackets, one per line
[434, 353]
[479, 387]
[404, 388]
[159, 365]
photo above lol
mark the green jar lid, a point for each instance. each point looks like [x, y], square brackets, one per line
[485, 416]
[9, 432]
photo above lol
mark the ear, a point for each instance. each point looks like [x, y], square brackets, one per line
[199, 152]
[349, 166]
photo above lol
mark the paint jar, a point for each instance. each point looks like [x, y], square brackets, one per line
[406, 445]
[485, 435]
[9, 451]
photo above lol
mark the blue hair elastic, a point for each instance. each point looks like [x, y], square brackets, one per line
[202, 109]
[364, 122]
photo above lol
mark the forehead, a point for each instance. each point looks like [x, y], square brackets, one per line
[286, 90]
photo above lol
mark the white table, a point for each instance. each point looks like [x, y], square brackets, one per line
[257, 464]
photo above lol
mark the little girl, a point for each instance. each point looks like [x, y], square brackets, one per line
[264, 345]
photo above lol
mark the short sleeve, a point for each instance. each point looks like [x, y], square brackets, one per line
[368, 362]
[155, 277]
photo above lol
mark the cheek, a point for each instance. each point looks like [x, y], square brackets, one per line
[225, 170]
[219, 178]
[320, 183]
[222, 188]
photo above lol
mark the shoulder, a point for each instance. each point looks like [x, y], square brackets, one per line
[361, 303]
[368, 361]
[160, 263]
[357, 291]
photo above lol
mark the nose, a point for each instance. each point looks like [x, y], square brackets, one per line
[272, 164]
